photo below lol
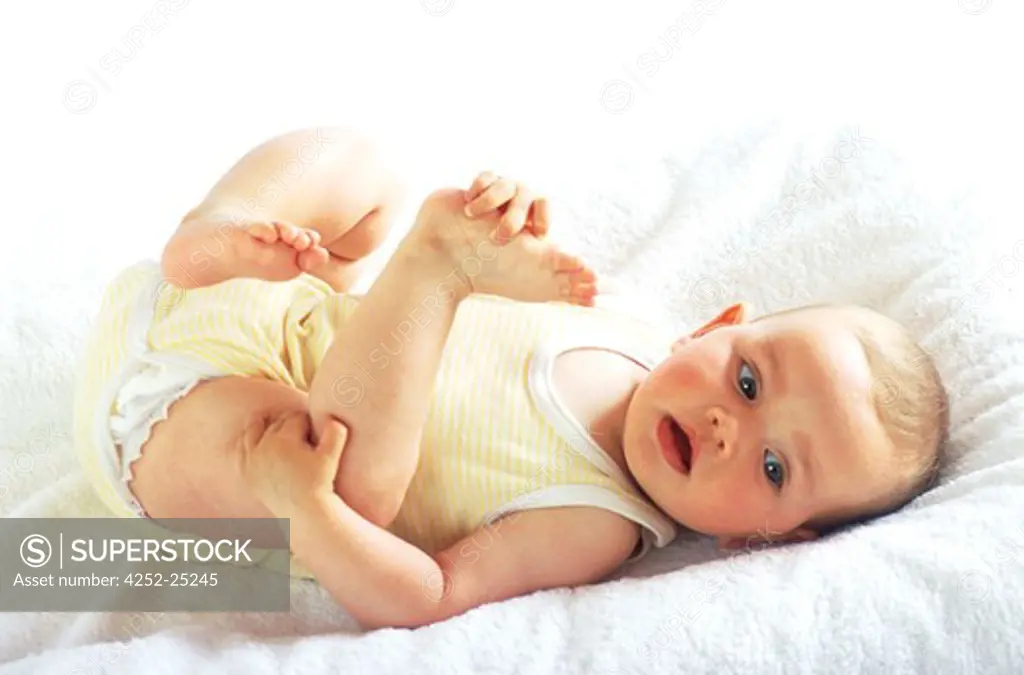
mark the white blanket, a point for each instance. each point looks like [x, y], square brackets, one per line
[763, 216]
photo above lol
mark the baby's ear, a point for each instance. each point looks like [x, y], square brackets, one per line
[731, 316]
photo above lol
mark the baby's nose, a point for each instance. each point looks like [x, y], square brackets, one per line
[723, 430]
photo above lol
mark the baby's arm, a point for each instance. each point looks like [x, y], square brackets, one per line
[384, 581]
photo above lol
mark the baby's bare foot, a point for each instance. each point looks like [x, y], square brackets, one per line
[531, 270]
[220, 246]
[270, 250]
[526, 268]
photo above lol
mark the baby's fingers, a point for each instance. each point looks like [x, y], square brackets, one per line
[266, 440]
[497, 195]
[540, 215]
[481, 183]
[515, 216]
[333, 441]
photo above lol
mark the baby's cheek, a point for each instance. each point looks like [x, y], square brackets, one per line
[687, 374]
[735, 504]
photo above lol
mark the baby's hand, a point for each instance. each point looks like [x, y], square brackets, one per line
[518, 206]
[283, 469]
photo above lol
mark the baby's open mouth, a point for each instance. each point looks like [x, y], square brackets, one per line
[675, 444]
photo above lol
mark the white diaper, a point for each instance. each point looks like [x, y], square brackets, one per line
[140, 397]
[144, 400]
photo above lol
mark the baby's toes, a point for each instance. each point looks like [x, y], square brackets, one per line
[579, 286]
[289, 233]
[306, 240]
[313, 257]
[265, 232]
[299, 238]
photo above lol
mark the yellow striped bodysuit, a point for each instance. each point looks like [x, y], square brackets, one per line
[497, 437]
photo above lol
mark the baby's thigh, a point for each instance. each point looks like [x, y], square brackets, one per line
[189, 467]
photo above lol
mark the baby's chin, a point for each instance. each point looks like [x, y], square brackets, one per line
[697, 524]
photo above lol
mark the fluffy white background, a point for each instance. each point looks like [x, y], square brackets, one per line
[101, 165]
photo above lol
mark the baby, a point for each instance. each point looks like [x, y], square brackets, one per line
[474, 427]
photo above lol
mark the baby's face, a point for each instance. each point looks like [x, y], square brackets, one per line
[758, 428]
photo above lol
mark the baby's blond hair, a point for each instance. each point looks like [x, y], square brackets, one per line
[910, 401]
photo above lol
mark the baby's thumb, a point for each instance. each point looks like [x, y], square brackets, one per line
[334, 438]
[292, 426]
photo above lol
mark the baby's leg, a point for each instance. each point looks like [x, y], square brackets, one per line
[385, 408]
[316, 200]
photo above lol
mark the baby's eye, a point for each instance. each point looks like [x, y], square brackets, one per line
[774, 470]
[747, 381]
